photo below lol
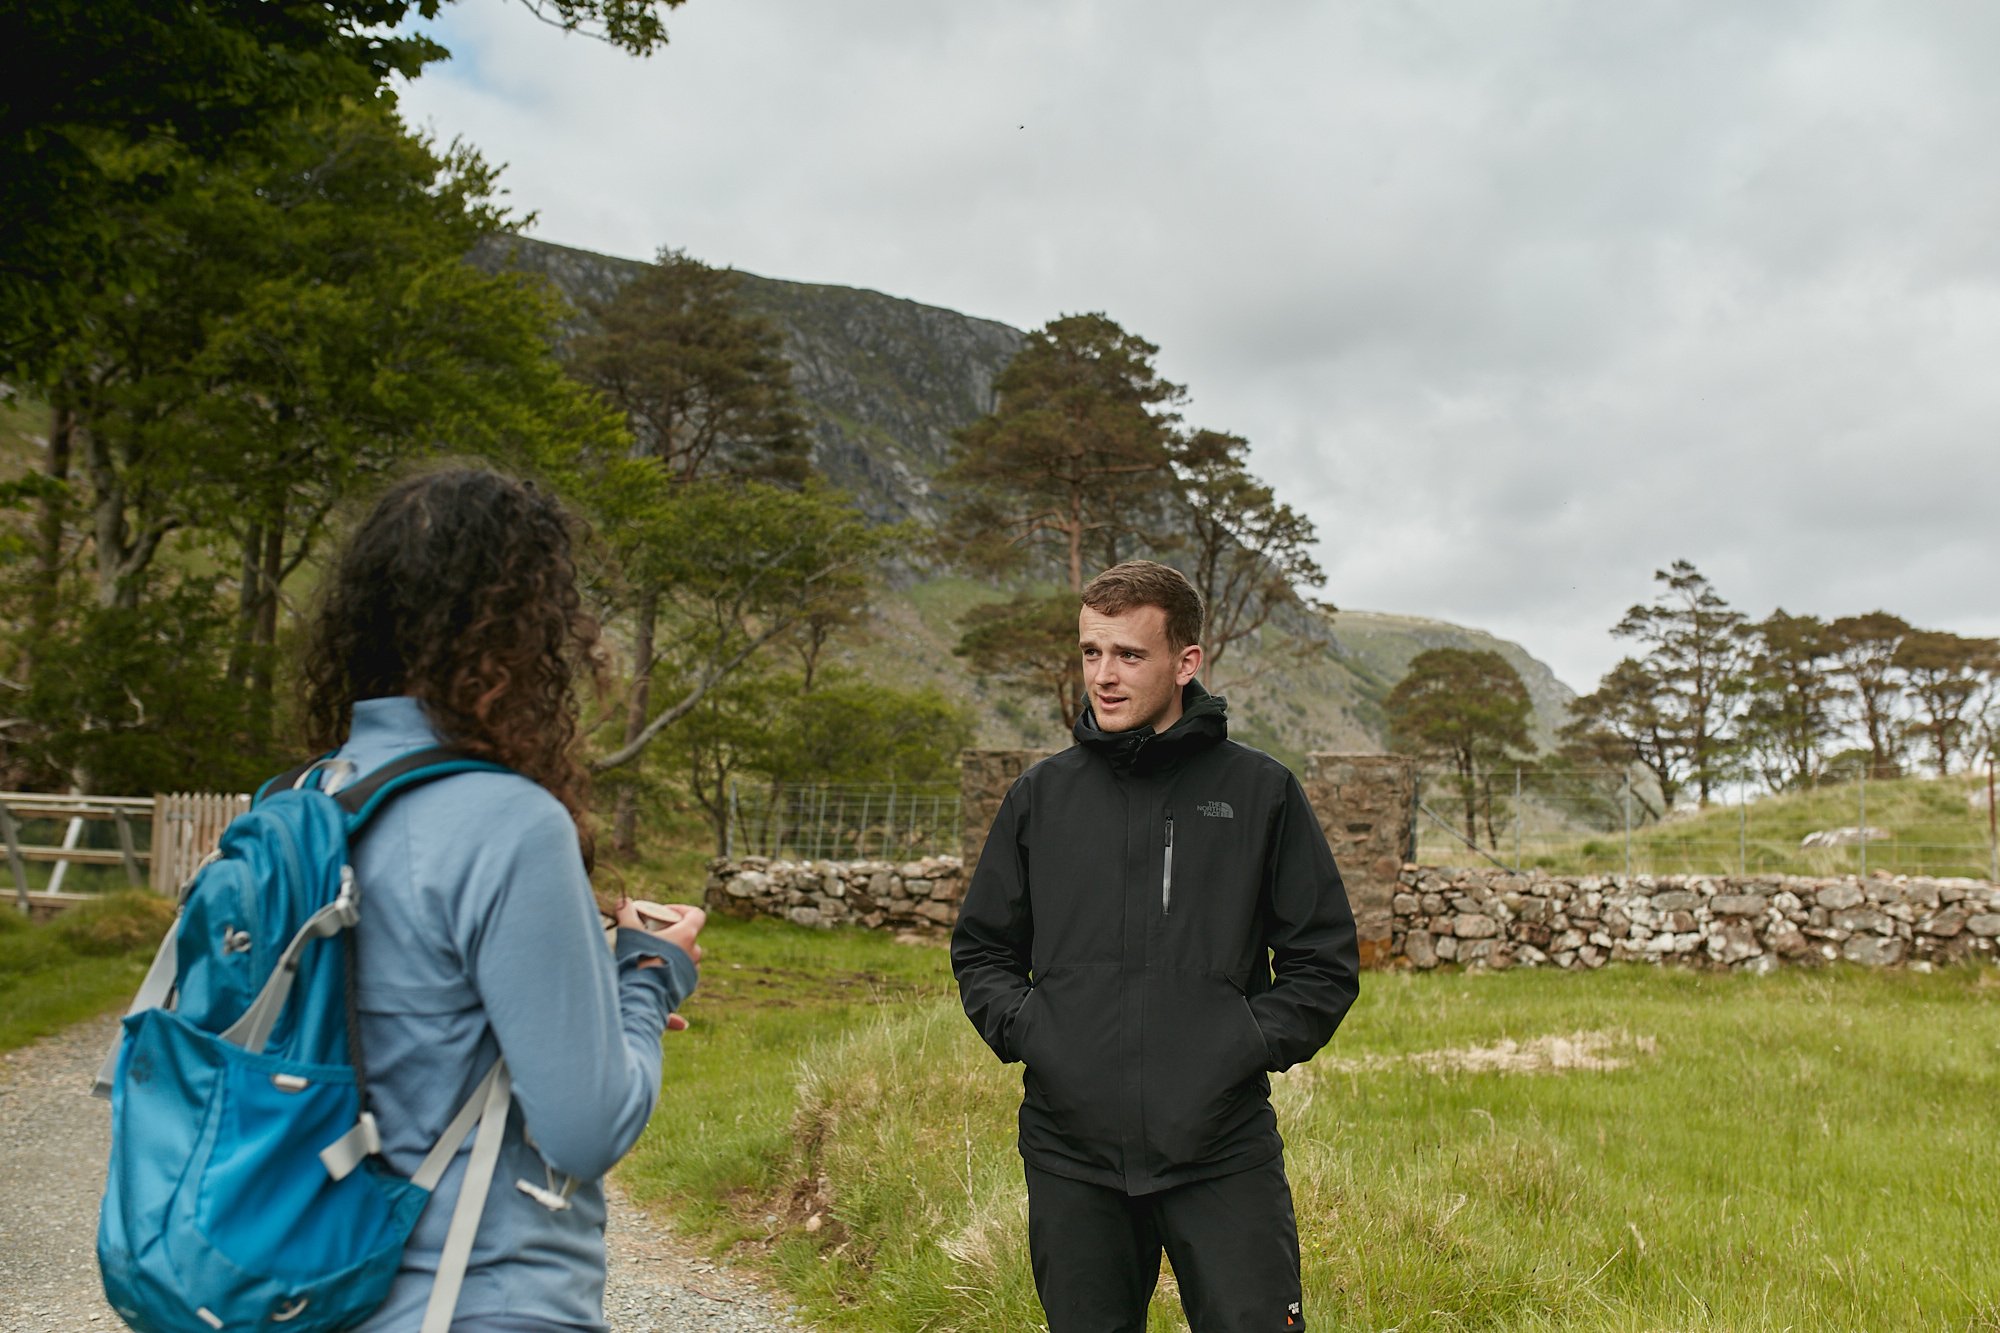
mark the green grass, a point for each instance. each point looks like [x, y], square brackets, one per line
[943, 601]
[87, 961]
[771, 995]
[1808, 1151]
[1935, 831]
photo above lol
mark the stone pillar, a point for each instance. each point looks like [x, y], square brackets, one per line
[1367, 808]
[983, 779]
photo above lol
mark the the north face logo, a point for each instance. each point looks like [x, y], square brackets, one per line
[1215, 810]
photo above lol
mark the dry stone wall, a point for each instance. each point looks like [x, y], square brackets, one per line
[1495, 919]
[920, 896]
[1366, 805]
[984, 777]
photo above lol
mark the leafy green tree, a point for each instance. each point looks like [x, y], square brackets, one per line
[718, 739]
[299, 323]
[702, 381]
[1865, 647]
[1621, 722]
[706, 393]
[293, 323]
[1469, 708]
[1788, 720]
[1077, 457]
[1694, 663]
[1076, 454]
[134, 700]
[1028, 644]
[1246, 551]
[1945, 674]
[766, 726]
[848, 729]
[737, 564]
[198, 82]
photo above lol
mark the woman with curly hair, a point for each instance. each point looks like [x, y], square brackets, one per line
[452, 617]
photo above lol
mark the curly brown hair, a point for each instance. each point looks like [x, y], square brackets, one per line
[460, 589]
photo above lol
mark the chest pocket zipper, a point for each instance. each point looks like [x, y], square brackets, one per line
[1167, 871]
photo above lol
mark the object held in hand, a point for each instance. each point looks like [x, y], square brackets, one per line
[656, 916]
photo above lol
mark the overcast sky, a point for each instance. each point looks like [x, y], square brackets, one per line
[1517, 301]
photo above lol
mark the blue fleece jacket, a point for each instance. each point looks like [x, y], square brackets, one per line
[479, 937]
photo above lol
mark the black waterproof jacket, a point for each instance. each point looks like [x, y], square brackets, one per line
[1154, 925]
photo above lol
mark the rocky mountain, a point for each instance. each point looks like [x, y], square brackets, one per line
[884, 382]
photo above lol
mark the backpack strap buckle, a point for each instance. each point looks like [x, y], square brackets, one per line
[334, 774]
[352, 1148]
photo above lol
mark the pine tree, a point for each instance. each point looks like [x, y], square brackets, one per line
[707, 394]
[1866, 647]
[1945, 673]
[1694, 663]
[1788, 719]
[1245, 551]
[1076, 459]
[1467, 707]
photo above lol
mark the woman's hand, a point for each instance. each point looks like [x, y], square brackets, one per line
[676, 923]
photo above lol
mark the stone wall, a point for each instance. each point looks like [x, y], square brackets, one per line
[1364, 803]
[1494, 919]
[920, 896]
[1367, 808]
[983, 779]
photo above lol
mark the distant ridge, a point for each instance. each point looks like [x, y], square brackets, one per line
[885, 381]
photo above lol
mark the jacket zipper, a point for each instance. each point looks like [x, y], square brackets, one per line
[1167, 873]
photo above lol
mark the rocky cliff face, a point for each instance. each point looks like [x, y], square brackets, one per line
[884, 383]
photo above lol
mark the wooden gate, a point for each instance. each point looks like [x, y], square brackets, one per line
[186, 827]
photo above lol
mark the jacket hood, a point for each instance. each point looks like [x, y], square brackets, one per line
[1204, 722]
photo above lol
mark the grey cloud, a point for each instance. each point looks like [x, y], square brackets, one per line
[1518, 301]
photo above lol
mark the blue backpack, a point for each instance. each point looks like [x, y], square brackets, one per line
[245, 1188]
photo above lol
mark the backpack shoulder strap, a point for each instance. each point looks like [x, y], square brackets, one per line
[288, 779]
[362, 798]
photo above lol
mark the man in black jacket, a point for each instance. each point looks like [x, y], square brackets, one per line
[1154, 926]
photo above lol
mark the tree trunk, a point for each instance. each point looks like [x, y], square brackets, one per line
[246, 608]
[122, 555]
[271, 572]
[1469, 793]
[49, 537]
[1069, 693]
[1076, 540]
[625, 822]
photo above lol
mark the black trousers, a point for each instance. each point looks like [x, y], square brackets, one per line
[1233, 1242]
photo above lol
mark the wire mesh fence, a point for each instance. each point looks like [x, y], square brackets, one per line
[846, 822]
[1610, 821]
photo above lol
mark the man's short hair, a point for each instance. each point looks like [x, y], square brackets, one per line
[1137, 583]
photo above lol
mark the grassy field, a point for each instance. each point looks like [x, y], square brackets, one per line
[1934, 829]
[1625, 1150]
[1620, 1151]
[78, 966]
[772, 997]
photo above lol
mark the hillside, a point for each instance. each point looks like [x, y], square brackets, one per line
[884, 382]
[1380, 646]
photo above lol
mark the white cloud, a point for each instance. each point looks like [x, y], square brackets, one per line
[1519, 301]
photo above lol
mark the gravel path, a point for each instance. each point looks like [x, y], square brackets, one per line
[52, 1147]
